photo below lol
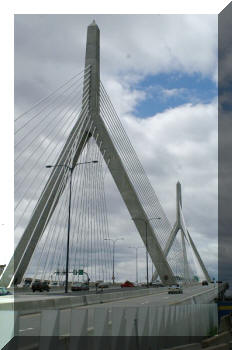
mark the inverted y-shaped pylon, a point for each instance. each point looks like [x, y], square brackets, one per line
[51, 194]
[185, 237]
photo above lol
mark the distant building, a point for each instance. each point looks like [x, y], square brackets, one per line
[2, 267]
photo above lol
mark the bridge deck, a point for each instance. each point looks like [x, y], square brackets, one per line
[135, 297]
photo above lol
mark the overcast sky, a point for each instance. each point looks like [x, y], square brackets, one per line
[160, 72]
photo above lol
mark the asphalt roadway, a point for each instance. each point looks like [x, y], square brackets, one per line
[160, 297]
[29, 295]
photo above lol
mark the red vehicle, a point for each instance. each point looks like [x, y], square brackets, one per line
[127, 284]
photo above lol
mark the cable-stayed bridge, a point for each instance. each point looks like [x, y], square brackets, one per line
[77, 131]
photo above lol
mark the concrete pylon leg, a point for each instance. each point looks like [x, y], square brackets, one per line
[186, 265]
[207, 277]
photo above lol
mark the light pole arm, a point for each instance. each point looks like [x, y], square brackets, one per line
[114, 242]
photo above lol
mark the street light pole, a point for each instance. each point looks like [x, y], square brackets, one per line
[69, 213]
[114, 242]
[68, 235]
[113, 277]
[136, 259]
[146, 221]
[147, 256]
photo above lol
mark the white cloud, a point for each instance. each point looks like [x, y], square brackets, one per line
[173, 92]
[124, 96]
[155, 44]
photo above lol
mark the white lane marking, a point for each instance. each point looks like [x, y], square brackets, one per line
[26, 329]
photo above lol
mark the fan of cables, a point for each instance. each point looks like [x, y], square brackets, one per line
[40, 135]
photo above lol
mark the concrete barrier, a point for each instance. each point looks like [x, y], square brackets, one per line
[28, 289]
[193, 346]
[204, 297]
[221, 338]
[219, 347]
[225, 323]
[58, 302]
[44, 304]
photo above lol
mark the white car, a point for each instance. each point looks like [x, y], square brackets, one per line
[175, 289]
[156, 284]
[54, 283]
[103, 285]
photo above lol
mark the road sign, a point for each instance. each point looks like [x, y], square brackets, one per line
[74, 272]
[80, 272]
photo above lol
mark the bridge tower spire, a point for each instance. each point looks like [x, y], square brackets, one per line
[92, 59]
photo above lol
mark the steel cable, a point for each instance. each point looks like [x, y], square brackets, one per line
[52, 93]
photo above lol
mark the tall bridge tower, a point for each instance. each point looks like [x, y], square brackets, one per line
[115, 146]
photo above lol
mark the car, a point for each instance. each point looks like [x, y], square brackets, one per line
[228, 295]
[137, 284]
[156, 284]
[143, 284]
[27, 282]
[98, 282]
[127, 284]
[103, 285]
[204, 283]
[4, 291]
[175, 289]
[40, 286]
[79, 286]
[54, 283]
